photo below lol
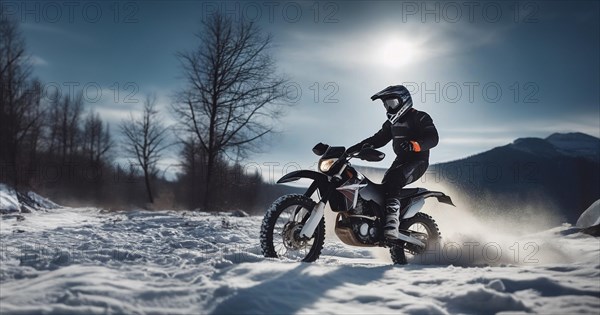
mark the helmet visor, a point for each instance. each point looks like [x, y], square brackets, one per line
[391, 104]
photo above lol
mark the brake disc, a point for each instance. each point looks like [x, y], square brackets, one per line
[291, 236]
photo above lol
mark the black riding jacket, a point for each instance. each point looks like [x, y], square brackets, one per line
[414, 126]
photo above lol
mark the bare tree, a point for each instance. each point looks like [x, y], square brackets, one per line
[190, 166]
[68, 124]
[52, 122]
[20, 95]
[230, 102]
[146, 139]
[96, 138]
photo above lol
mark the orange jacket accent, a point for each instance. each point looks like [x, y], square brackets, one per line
[416, 146]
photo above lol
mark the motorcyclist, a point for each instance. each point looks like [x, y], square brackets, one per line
[413, 134]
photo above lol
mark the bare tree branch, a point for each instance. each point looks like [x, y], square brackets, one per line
[146, 139]
[230, 102]
[21, 114]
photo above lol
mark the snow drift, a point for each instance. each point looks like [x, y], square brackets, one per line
[589, 220]
[591, 216]
[12, 201]
[9, 202]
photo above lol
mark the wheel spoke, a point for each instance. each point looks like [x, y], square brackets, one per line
[421, 232]
[287, 226]
[282, 226]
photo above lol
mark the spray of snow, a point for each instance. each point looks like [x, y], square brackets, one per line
[478, 240]
[494, 240]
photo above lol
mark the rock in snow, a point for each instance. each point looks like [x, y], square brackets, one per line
[239, 213]
[497, 285]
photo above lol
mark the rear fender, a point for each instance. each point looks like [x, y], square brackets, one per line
[441, 197]
[417, 201]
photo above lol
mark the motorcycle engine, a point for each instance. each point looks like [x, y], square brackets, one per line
[363, 207]
[364, 229]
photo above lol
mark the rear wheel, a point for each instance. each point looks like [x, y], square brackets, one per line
[281, 226]
[421, 227]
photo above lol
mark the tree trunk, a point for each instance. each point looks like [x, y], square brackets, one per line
[13, 166]
[148, 189]
[207, 181]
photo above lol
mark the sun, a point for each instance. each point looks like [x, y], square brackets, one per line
[396, 51]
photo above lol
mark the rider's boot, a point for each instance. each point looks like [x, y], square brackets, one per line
[392, 220]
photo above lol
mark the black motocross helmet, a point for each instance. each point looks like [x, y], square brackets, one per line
[396, 99]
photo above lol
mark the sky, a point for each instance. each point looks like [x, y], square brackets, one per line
[486, 72]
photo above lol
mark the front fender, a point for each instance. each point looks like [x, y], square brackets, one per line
[320, 180]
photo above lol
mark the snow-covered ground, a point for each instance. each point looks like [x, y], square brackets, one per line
[88, 261]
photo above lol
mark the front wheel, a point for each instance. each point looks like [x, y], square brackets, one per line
[421, 227]
[281, 226]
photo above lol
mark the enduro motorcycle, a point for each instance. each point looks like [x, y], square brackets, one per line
[294, 225]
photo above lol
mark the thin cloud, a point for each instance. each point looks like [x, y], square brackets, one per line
[52, 30]
[535, 128]
[478, 141]
[38, 61]
[386, 45]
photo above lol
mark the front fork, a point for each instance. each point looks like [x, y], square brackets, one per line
[313, 221]
[316, 215]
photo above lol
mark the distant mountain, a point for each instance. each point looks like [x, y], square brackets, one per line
[559, 175]
[576, 144]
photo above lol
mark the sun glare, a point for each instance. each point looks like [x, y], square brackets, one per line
[396, 52]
